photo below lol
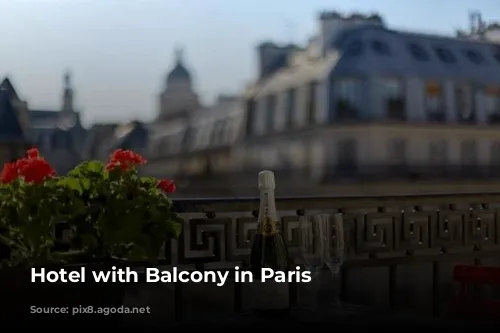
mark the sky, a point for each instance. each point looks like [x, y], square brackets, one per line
[120, 51]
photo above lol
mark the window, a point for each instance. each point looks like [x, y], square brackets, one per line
[463, 102]
[445, 55]
[434, 102]
[207, 133]
[347, 154]
[188, 137]
[260, 115]
[496, 53]
[290, 107]
[214, 133]
[418, 52]
[270, 112]
[348, 96]
[355, 48]
[438, 152]
[394, 99]
[397, 152]
[230, 130]
[468, 153]
[165, 145]
[311, 102]
[492, 104]
[380, 47]
[200, 133]
[474, 56]
[221, 131]
[495, 154]
[250, 107]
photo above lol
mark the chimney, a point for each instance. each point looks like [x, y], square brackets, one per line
[332, 25]
[273, 57]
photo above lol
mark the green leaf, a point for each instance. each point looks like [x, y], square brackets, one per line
[95, 166]
[174, 227]
[71, 183]
[148, 181]
[86, 169]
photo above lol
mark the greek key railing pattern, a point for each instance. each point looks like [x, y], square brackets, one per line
[377, 230]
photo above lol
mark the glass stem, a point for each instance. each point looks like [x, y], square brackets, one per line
[313, 291]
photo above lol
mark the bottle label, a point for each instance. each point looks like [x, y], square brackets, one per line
[270, 295]
[269, 227]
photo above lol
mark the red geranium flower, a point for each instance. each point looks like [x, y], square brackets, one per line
[33, 153]
[36, 170]
[167, 185]
[9, 173]
[125, 160]
[33, 168]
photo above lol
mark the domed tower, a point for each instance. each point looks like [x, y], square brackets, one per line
[178, 98]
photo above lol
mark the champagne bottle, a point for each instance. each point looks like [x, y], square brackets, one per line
[270, 298]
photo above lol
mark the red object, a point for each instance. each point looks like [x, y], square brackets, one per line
[33, 168]
[474, 275]
[125, 160]
[166, 185]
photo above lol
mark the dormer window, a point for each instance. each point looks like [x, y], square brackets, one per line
[380, 47]
[474, 56]
[355, 48]
[418, 52]
[445, 55]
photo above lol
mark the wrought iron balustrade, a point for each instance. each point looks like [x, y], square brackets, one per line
[399, 250]
[377, 229]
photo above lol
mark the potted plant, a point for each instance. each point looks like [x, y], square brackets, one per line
[115, 217]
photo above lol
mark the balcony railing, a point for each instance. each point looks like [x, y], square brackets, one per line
[399, 250]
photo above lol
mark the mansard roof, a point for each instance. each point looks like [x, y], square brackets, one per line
[377, 51]
[380, 51]
[7, 85]
[10, 127]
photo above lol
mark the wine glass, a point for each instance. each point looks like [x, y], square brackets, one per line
[332, 240]
[311, 251]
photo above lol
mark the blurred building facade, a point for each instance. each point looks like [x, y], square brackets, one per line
[362, 108]
[59, 133]
[189, 141]
[14, 124]
[361, 102]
